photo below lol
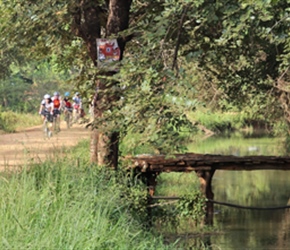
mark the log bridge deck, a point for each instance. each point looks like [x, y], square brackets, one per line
[204, 165]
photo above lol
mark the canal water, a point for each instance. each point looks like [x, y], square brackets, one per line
[249, 229]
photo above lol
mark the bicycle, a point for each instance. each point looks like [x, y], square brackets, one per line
[76, 115]
[46, 129]
[56, 121]
[68, 117]
[55, 124]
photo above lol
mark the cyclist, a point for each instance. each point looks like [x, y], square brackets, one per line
[77, 106]
[46, 110]
[57, 109]
[46, 107]
[66, 103]
[77, 101]
[67, 107]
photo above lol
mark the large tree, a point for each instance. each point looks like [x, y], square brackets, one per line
[89, 19]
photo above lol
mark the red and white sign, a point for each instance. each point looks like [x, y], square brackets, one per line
[108, 51]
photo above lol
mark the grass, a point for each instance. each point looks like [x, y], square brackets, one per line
[237, 144]
[188, 233]
[218, 121]
[69, 204]
[27, 120]
[11, 121]
[177, 184]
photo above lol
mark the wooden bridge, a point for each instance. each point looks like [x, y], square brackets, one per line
[204, 165]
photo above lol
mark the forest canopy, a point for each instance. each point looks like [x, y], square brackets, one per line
[179, 56]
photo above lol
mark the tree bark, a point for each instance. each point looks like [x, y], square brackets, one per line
[105, 147]
[88, 19]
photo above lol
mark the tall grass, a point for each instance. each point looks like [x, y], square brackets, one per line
[218, 121]
[177, 184]
[26, 120]
[12, 121]
[68, 204]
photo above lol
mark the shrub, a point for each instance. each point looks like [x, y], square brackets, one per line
[8, 121]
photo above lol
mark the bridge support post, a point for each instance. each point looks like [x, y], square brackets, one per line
[205, 177]
[151, 182]
[151, 186]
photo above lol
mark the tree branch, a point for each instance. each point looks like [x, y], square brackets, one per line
[174, 64]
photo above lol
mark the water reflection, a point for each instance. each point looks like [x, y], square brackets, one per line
[238, 144]
[254, 228]
[249, 229]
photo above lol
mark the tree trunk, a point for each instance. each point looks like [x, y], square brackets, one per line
[104, 148]
[88, 18]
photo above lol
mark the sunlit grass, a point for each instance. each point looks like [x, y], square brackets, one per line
[176, 184]
[27, 120]
[67, 203]
[237, 144]
[12, 121]
[217, 121]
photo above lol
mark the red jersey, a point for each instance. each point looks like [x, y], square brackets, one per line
[56, 103]
[68, 104]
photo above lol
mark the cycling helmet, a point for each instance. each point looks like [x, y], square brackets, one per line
[66, 94]
[77, 93]
[46, 96]
[56, 94]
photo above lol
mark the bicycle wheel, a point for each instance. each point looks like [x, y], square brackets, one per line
[46, 130]
[55, 125]
[67, 119]
[75, 116]
[57, 122]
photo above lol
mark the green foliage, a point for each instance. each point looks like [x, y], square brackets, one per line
[218, 121]
[231, 66]
[192, 206]
[12, 121]
[176, 215]
[67, 203]
[287, 144]
[24, 89]
[37, 52]
[137, 200]
[226, 56]
[8, 121]
[152, 106]
[280, 128]
[14, 94]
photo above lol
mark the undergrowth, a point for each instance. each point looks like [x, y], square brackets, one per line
[70, 204]
[12, 121]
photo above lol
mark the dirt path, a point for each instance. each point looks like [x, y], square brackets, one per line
[19, 149]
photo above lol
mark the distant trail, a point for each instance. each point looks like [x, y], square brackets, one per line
[29, 146]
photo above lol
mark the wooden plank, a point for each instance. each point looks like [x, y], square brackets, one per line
[193, 162]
